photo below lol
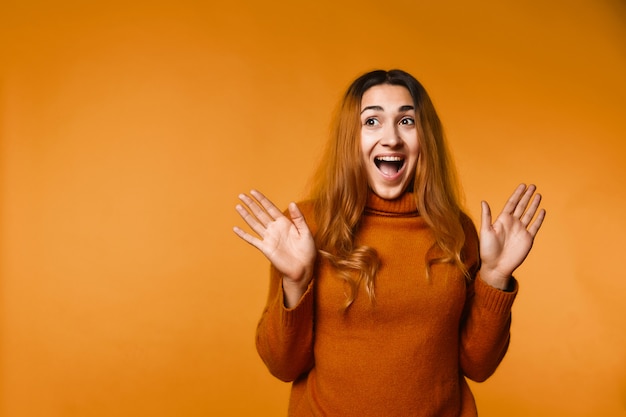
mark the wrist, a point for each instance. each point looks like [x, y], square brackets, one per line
[293, 291]
[495, 278]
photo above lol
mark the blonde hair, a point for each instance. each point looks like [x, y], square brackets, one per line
[340, 188]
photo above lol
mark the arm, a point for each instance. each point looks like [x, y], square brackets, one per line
[503, 247]
[485, 332]
[284, 337]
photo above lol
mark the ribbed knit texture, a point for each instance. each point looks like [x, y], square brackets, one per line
[405, 354]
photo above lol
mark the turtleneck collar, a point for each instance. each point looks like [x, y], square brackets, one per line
[403, 206]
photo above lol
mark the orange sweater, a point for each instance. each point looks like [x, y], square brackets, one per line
[408, 353]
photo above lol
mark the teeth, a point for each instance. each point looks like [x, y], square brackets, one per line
[389, 158]
[389, 164]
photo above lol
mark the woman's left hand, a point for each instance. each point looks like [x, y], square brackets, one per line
[506, 243]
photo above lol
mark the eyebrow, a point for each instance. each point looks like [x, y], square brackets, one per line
[379, 108]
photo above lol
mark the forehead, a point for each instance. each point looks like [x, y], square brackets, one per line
[387, 95]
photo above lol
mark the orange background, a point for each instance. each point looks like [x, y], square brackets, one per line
[127, 132]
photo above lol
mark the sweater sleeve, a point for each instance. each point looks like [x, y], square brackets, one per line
[284, 337]
[486, 322]
[485, 332]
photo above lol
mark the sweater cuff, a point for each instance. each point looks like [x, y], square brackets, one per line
[292, 317]
[493, 299]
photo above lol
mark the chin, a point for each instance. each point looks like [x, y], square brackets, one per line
[389, 193]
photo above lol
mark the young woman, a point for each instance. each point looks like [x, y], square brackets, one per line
[382, 300]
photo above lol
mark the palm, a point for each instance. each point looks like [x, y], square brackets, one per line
[287, 243]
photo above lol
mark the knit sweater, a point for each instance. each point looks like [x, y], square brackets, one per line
[408, 352]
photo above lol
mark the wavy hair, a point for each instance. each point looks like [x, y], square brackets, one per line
[340, 187]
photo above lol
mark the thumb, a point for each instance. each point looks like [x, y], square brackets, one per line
[485, 219]
[298, 219]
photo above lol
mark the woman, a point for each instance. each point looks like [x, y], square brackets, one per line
[382, 300]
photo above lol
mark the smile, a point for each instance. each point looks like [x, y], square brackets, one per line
[389, 166]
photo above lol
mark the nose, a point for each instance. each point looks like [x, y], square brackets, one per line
[391, 136]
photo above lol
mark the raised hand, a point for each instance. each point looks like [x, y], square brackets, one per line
[287, 243]
[506, 243]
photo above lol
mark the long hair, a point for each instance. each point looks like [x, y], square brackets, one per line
[340, 188]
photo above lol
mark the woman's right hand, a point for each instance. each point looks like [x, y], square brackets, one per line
[287, 243]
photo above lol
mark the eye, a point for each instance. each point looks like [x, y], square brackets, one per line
[407, 121]
[371, 121]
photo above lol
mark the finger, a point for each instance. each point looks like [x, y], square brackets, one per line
[485, 219]
[248, 237]
[263, 217]
[536, 225]
[298, 219]
[523, 203]
[269, 207]
[530, 213]
[250, 220]
[511, 203]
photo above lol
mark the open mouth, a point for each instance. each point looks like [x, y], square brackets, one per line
[389, 165]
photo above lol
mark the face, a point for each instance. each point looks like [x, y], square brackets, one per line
[389, 142]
